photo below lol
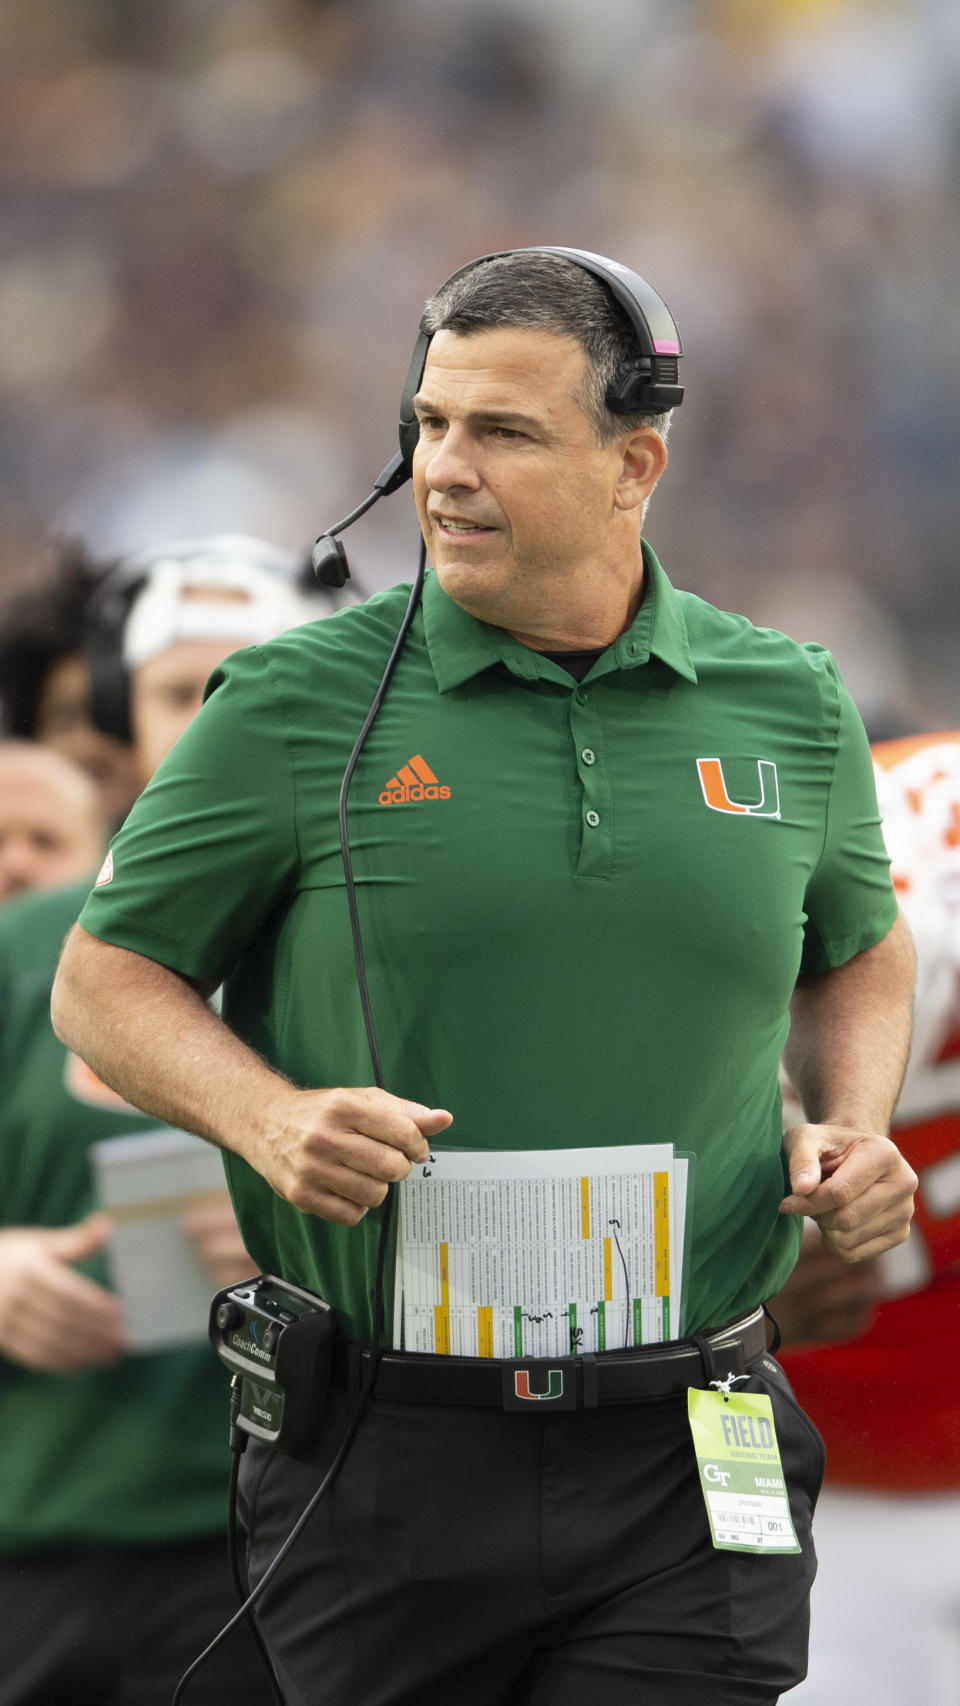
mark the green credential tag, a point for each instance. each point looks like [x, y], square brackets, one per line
[740, 1471]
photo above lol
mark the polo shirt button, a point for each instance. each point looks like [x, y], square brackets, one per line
[588, 755]
[580, 697]
[593, 818]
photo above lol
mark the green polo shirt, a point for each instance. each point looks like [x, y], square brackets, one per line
[584, 905]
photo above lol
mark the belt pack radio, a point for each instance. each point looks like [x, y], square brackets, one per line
[277, 1339]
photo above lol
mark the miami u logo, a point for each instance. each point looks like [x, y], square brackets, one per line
[521, 1384]
[715, 793]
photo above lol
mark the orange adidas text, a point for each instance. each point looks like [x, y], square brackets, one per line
[413, 791]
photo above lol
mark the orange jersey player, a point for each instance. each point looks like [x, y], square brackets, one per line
[886, 1609]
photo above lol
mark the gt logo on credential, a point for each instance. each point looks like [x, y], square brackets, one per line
[713, 1472]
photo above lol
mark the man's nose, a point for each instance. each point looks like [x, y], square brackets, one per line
[452, 463]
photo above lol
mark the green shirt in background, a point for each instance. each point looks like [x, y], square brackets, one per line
[584, 905]
[136, 1453]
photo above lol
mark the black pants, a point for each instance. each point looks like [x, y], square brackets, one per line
[497, 1559]
[119, 1626]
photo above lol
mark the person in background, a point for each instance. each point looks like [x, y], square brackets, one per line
[113, 1575]
[871, 1350]
[52, 829]
[45, 677]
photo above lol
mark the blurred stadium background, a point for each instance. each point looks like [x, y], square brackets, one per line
[220, 218]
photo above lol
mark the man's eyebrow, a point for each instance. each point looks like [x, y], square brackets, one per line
[501, 417]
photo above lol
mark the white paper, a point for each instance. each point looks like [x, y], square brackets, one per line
[148, 1181]
[541, 1252]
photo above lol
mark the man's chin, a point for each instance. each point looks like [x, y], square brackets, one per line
[477, 587]
[455, 570]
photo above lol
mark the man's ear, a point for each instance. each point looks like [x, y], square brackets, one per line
[642, 459]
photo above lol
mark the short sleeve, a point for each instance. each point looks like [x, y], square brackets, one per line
[850, 902]
[209, 849]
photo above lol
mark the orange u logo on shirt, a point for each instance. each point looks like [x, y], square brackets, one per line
[717, 797]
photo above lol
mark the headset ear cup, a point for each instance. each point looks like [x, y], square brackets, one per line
[628, 393]
[409, 439]
[409, 425]
[645, 386]
[104, 623]
[109, 695]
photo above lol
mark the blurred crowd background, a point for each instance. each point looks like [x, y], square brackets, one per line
[221, 217]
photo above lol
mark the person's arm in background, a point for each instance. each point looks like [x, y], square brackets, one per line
[150, 1035]
[846, 1054]
[52, 1318]
[57, 1320]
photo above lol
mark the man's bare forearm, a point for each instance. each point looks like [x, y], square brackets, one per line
[847, 1053]
[850, 1036]
[150, 1035]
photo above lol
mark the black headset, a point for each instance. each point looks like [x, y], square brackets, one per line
[648, 383]
[105, 617]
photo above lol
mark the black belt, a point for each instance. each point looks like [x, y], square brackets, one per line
[561, 1383]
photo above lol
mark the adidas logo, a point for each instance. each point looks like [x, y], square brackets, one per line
[413, 781]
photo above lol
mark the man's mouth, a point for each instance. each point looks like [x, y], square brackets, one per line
[455, 524]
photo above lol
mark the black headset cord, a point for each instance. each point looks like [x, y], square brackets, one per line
[353, 1419]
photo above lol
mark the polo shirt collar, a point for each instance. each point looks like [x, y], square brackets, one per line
[460, 646]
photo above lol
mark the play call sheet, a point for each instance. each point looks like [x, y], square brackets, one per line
[541, 1253]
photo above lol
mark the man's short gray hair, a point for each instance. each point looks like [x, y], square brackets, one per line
[548, 293]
